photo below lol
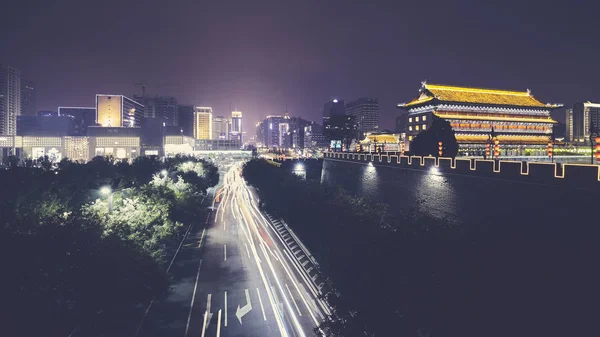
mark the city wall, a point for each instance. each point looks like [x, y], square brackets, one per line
[574, 175]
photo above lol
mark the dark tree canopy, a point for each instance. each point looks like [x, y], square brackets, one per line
[426, 142]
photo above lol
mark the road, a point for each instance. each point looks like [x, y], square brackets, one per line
[239, 273]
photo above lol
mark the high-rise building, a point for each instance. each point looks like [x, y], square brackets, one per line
[366, 112]
[569, 125]
[10, 100]
[164, 108]
[28, 107]
[83, 117]
[118, 111]
[586, 121]
[203, 123]
[236, 126]
[45, 126]
[186, 119]
[334, 107]
[221, 127]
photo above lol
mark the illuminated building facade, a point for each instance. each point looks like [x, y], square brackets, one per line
[221, 127]
[585, 121]
[518, 119]
[10, 100]
[236, 126]
[118, 111]
[203, 123]
[569, 126]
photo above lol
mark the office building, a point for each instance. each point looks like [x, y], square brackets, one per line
[221, 127]
[569, 125]
[334, 107]
[186, 119]
[163, 108]
[203, 123]
[83, 117]
[340, 132]
[28, 107]
[517, 117]
[118, 111]
[45, 126]
[236, 126]
[586, 121]
[314, 137]
[273, 130]
[10, 100]
[366, 113]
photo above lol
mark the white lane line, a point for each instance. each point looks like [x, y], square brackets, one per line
[247, 250]
[293, 300]
[204, 325]
[225, 308]
[224, 252]
[187, 326]
[261, 305]
[305, 263]
[219, 325]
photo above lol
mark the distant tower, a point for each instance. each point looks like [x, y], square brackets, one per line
[236, 126]
[10, 100]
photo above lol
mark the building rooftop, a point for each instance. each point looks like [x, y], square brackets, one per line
[445, 93]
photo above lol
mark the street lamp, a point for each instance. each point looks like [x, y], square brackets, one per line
[163, 172]
[107, 192]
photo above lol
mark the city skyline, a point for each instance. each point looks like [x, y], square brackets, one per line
[258, 67]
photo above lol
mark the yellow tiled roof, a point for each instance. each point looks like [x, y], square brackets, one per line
[504, 139]
[382, 138]
[476, 96]
[496, 118]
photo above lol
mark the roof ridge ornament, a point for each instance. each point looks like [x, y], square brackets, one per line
[528, 92]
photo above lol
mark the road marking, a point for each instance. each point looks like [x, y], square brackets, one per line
[201, 237]
[204, 326]
[261, 305]
[225, 308]
[241, 312]
[309, 269]
[293, 300]
[187, 326]
[224, 252]
[247, 250]
[219, 325]
[305, 263]
[207, 314]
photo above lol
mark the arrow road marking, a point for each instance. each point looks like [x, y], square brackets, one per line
[245, 309]
[207, 315]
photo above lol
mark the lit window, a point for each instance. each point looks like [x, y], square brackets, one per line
[424, 118]
[417, 127]
[410, 138]
[410, 128]
[417, 119]
[424, 126]
[410, 120]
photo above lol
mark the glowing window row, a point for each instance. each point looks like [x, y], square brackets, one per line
[423, 118]
[417, 127]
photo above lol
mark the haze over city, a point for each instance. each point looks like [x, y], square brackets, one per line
[261, 56]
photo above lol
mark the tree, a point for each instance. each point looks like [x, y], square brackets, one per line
[426, 142]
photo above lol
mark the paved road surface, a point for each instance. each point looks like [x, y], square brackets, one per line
[238, 274]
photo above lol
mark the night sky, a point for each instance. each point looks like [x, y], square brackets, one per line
[261, 55]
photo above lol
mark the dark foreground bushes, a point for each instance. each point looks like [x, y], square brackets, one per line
[72, 264]
[399, 274]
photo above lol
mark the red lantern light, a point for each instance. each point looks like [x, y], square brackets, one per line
[597, 139]
[440, 149]
[487, 150]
